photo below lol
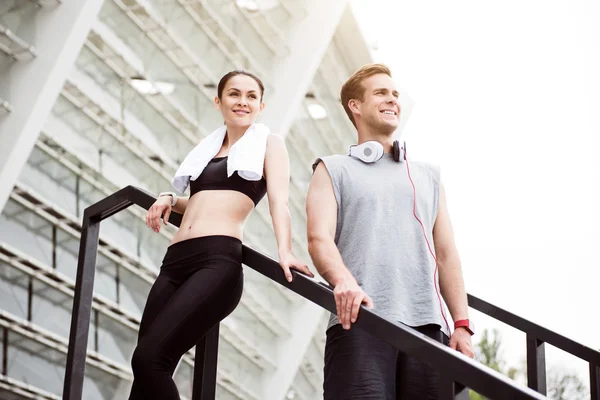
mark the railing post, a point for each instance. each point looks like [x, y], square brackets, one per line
[447, 388]
[82, 307]
[594, 382]
[205, 366]
[536, 364]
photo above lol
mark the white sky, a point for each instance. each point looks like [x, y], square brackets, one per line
[506, 101]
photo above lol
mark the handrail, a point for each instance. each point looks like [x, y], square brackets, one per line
[536, 337]
[543, 334]
[453, 366]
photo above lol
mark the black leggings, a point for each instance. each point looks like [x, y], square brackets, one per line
[199, 284]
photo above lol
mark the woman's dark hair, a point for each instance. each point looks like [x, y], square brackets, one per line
[231, 74]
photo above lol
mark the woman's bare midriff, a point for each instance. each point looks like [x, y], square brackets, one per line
[214, 212]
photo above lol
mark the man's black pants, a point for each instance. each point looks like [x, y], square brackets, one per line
[359, 366]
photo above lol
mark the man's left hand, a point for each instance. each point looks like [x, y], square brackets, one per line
[461, 341]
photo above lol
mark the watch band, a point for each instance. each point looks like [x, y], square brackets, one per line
[465, 323]
[173, 197]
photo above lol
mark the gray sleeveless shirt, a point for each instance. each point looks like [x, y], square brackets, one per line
[380, 240]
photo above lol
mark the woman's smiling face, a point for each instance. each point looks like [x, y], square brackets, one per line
[241, 101]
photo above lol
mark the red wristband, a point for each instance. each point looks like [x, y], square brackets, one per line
[465, 323]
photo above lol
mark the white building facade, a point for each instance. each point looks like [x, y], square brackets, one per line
[96, 95]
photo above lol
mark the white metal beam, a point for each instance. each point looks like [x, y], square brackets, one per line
[293, 74]
[22, 390]
[291, 351]
[293, 77]
[33, 86]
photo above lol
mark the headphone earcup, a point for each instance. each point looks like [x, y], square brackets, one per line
[396, 151]
[368, 152]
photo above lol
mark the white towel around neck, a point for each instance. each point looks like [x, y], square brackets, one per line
[246, 156]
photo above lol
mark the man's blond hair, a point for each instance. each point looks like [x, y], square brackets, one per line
[354, 89]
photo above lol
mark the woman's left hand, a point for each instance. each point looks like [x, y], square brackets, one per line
[288, 262]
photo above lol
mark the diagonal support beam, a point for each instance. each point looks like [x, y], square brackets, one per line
[291, 352]
[292, 75]
[58, 36]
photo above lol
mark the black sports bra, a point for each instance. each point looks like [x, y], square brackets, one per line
[214, 177]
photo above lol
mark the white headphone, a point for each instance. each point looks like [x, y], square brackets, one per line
[372, 151]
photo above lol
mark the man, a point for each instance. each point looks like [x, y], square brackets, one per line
[377, 245]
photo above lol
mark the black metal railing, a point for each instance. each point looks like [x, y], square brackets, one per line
[453, 367]
[536, 337]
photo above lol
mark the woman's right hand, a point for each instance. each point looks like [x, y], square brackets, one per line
[161, 206]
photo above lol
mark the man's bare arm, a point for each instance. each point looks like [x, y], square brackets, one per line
[321, 210]
[452, 286]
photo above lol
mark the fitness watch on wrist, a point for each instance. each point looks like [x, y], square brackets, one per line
[465, 323]
[173, 197]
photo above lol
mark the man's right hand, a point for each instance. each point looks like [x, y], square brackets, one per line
[161, 206]
[348, 298]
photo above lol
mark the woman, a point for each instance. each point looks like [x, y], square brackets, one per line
[201, 279]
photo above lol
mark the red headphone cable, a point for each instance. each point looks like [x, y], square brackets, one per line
[426, 240]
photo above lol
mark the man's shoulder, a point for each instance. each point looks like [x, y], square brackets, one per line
[330, 161]
[431, 169]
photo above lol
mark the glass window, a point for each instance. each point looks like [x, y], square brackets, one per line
[51, 309]
[115, 340]
[13, 290]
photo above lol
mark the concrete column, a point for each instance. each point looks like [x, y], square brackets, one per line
[31, 86]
